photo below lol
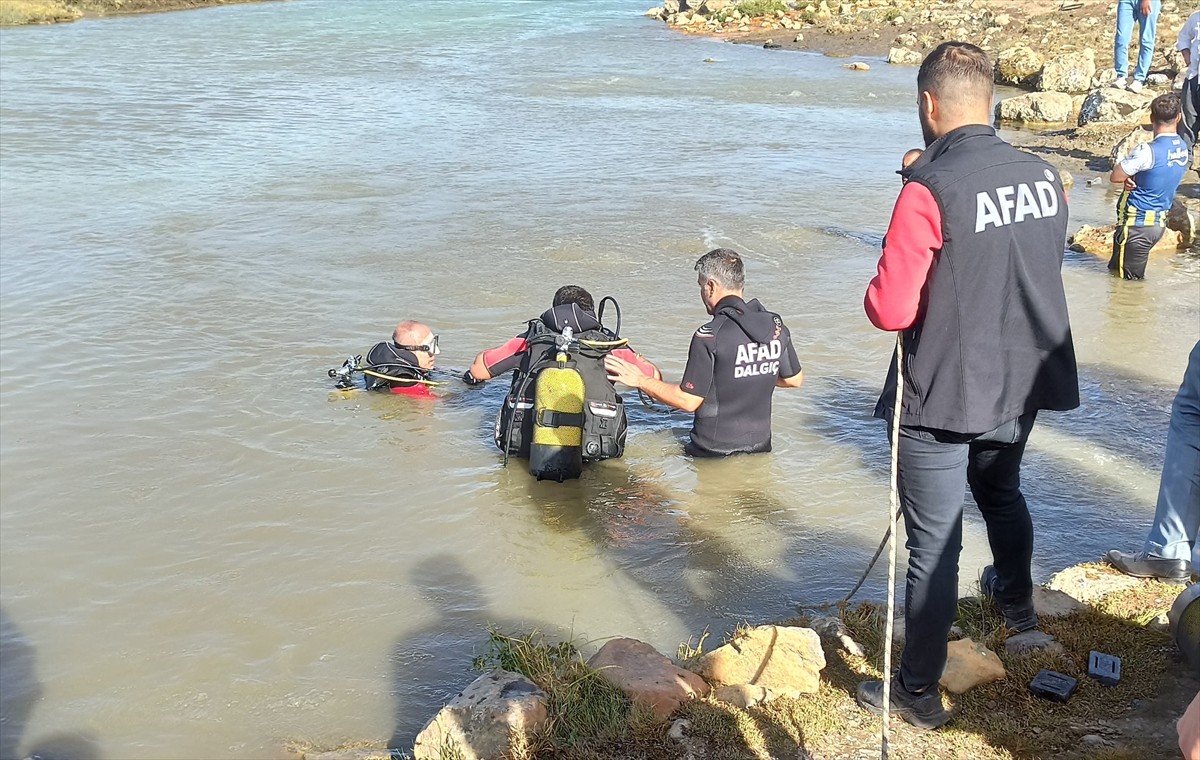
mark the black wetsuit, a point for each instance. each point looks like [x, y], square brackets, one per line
[733, 364]
[387, 358]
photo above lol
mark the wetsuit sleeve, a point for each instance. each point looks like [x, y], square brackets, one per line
[505, 358]
[913, 239]
[636, 359]
[698, 374]
[789, 363]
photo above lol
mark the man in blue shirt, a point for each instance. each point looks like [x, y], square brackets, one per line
[1151, 174]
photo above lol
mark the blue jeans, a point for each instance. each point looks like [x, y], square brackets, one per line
[1177, 518]
[936, 466]
[1127, 11]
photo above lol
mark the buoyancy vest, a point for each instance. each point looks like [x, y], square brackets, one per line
[603, 420]
[992, 340]
[386, 358]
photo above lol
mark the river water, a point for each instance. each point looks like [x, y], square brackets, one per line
[204, 553]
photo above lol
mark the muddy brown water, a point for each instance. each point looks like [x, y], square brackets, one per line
[203, 554]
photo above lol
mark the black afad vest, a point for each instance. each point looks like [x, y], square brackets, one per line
[604, 422]
[992, 340]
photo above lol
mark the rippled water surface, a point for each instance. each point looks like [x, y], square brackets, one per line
[203, 554]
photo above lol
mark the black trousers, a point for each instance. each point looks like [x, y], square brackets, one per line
[1131, 250]
[935, 468]
[1189, 128]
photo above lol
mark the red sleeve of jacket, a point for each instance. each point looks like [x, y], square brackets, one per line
[913, 238]
[504, 358]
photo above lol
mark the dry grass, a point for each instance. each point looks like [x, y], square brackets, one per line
[23, 12]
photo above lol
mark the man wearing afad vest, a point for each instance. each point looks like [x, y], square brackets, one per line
[971, 277]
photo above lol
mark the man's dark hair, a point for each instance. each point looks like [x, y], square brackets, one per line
[1165, 108]
[958, 74]
[723, 265]
[576, 295]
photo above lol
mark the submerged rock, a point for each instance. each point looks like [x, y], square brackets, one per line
[480, 722]
[647, 677]
[1083, 584]
[969, 664]
[858, 66]
[787, 660]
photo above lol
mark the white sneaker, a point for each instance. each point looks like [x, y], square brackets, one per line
[1136, 86]
[1120, 83]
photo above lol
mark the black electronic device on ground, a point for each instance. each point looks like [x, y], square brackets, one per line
[1055, 686]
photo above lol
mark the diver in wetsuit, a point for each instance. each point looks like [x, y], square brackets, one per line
[403, 364]
[734, 365]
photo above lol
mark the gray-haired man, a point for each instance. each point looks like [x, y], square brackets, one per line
[734, 365]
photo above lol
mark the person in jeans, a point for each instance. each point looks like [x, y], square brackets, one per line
[971, 276]
[1146, 14]
[1172, 540]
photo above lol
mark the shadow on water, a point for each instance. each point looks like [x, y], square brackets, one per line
[432, 664]
[19, 693]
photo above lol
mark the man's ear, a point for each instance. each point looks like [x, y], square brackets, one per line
[928, 104]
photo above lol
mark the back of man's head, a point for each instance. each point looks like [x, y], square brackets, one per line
[1165, 109]
[576, 295]
[959, 75]
[723, 266]
[410, 333]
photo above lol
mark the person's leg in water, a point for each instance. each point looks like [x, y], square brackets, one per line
[1131, 250]
[1172, 541]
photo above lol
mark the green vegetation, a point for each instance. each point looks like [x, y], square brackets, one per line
[762, 7]
[20, 12]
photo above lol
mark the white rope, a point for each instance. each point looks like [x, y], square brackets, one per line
[893, 515]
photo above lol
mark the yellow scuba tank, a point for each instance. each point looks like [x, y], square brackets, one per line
[556, 452]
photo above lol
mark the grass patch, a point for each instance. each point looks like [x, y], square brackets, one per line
[23, 12]
[755, 8]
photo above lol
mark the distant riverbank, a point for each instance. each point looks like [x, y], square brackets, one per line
[26, 12]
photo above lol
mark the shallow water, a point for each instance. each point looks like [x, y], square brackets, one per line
[203, 553]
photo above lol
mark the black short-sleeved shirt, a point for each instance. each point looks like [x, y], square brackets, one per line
[733, 364]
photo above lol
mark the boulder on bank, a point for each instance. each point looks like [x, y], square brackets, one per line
[647, 677]
[787, 660]
[1036, 108]
[1018, 66]
[1110, 105]
[904, 57]
[968, 665]
[1070, 72]
[480, 722]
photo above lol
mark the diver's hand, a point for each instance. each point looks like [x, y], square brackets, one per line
[470, 379]
[621, 371]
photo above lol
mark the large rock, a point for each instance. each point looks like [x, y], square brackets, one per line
[968, 665]
[647, 677]
[714, 6]
[1036, 108]
[785, 659]
[905, 57]
[1113, 106]
[1126, 144]
[1018, 66]
[481, 721]
[1185, 220]
[1084, 584]
[1070, 72]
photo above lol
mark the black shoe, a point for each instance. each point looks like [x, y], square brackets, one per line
[1019, 616]
[1142, 565]
[923, 711]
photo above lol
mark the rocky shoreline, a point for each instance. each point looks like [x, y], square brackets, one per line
[30, 12]
[786, 690]
[1076, 119]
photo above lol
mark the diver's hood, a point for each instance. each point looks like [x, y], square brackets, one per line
[760, 325]
[570, 315]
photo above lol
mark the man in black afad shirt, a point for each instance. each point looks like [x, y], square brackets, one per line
[734, 365]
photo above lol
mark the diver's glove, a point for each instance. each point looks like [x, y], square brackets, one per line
[470, 379]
